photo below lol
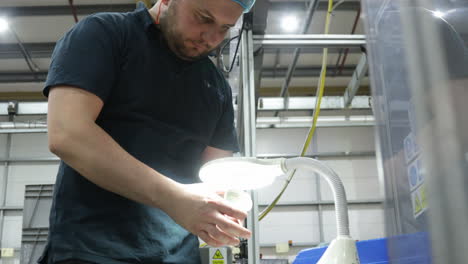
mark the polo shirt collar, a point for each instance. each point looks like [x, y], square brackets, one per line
[144, 16]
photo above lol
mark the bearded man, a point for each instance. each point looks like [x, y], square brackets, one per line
[135, 107]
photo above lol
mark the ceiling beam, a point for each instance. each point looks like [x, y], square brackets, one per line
[36, 50]
[44, 50]
[90, 9]
[22, 77]
[308, 103]
[310, 40]
[309, 71]
[25, 96]
[63, 10]
[310, 91]
[292, 5]
[267, 72]
[263, 91]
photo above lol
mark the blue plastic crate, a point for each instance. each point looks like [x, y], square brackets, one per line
[370, 252]
[405, 249]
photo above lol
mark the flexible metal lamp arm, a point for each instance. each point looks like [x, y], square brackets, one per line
[339, 194]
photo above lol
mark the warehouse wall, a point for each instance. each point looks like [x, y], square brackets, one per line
[298, 222]
[29, 148]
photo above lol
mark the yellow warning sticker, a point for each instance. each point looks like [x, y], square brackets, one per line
[419, 200]
[218, 255]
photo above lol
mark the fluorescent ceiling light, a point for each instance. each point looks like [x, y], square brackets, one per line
[3, 25]
[289, 23]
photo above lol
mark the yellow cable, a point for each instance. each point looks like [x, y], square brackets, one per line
[321, 85]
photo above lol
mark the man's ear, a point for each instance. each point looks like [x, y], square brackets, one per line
[165, 2]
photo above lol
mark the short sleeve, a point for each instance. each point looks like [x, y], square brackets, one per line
[225, 136]
[85, 57]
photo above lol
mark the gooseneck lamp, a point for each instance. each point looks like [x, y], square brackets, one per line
[238, 173]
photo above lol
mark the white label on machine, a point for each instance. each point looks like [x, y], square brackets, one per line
[218, 255]
[7, 252]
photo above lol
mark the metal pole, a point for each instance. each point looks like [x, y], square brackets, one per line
[23, 130]
[248, 132]
[318, 190]
[6, 170]
[321, 155]
[310, 40]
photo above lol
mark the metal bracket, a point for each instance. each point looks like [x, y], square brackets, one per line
[12, 108]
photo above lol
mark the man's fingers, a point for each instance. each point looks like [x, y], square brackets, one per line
[216, 233]
[226, 209]
[209, 240]
[237, 221]
[228, 225]
[232, 228]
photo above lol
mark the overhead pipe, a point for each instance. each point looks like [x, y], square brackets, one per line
[22, 127]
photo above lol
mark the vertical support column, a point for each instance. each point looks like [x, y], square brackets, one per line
[4, 187]
[318, 190]
[247, 100]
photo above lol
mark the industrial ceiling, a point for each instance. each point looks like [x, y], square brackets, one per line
[38, 24]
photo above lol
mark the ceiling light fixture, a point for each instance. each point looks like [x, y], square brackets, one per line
[290, 23]
[3, 25]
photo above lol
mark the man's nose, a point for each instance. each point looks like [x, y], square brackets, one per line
[212, 36]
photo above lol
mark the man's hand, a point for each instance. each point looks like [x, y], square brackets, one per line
[202, 212]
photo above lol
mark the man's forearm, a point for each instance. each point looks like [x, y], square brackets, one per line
[94, 154]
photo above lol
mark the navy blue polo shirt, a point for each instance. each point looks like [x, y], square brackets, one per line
[162, 110]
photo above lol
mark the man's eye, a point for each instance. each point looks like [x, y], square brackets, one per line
[204, 19]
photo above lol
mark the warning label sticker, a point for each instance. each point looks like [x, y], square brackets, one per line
[218, 255]
[419, 200]
[415, 175]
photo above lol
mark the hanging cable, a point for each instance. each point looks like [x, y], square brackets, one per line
[73, 8]
[27, 57]
[223, 46]
[353, 30]
[319, 95]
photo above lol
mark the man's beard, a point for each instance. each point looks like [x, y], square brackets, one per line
[168, 26]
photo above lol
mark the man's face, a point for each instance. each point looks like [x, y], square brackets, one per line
[193, 28]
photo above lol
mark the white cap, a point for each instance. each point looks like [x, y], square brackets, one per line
[246, 4]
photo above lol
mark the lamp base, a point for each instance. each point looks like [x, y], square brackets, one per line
[342, 250]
